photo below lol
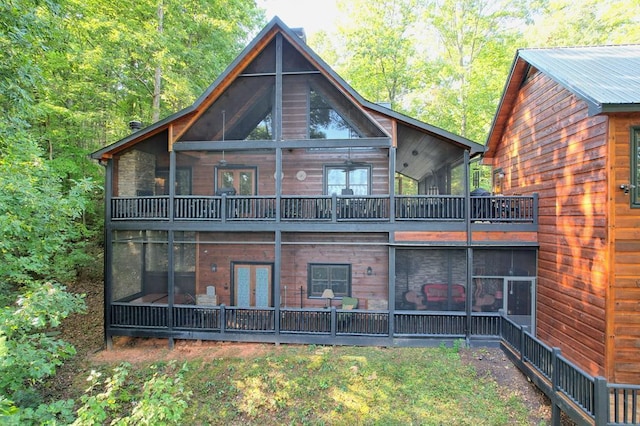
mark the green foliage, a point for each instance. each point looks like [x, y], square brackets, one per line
[346, 385]
[374, 50]
[163, 399]
[587, 23]
[40, 230]
[29, 353]
[443, 61]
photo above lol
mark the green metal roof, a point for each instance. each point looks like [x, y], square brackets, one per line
[606, 77]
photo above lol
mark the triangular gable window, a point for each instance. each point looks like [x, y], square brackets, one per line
[325, 122]
[263, 131]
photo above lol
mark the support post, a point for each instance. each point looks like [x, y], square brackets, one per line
[555, 374]
[334, 319]
[223, 319]
[601, 401]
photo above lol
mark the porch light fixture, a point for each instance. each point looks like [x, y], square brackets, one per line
[328, 294]
[369, 270]
[214, 267]
[626, 188]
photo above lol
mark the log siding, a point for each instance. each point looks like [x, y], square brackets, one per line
[553, 147]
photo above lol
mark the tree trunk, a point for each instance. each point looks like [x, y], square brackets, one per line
[157, 80]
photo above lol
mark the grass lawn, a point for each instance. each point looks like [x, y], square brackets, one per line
[319, 385]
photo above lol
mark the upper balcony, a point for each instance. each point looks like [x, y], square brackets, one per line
[416, 208]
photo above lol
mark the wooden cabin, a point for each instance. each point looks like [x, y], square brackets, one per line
[283, 207]
[568, 129]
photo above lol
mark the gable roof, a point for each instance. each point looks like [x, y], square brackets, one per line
[293, 36]
[605, 77]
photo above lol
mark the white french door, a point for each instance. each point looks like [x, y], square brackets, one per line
[252, 285]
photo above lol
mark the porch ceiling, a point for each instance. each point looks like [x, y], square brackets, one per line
[419, 154]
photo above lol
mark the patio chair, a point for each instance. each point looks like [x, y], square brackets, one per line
[414, 300]
[349, 303]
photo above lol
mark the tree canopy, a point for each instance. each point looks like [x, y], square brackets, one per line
[446, 61]
[73, 73]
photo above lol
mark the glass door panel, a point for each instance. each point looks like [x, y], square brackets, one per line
[519, 300]
[252, 285]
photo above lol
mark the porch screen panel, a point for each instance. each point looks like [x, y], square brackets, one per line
[184, 263]
[431, 279]
[504, 263]
[139, 267]
[126, 268]
[155, 283]
[493, 270]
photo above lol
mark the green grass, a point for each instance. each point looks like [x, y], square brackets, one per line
[319, 385]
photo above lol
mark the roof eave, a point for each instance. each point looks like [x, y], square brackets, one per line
[473, 147]
[514, 80]
[612, 108]
[262, 38]
[164, 122]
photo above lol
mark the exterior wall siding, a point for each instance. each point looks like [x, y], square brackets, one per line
[359, 250]
[624, 296]
[551, 146]
[294, 161]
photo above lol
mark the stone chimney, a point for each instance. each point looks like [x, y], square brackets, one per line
[300, 33]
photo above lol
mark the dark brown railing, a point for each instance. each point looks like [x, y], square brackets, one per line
[586, 399]
[430, 324]
[140, 208]
[499, 208]
[304, 321]
[431, 207]
[493, 209]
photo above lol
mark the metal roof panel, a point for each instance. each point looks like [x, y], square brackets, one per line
[602, 75]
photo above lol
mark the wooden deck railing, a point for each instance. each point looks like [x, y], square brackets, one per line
[304, 321]
[494, 209]
[586, 399]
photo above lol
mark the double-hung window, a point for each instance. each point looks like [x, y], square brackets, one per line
[348, 179]
[336, 277]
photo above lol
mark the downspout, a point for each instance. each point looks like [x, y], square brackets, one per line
[467, 221]
[391, 304]
[170, 239]
[108, 248]
[277, 135]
